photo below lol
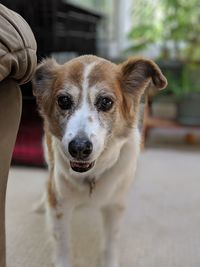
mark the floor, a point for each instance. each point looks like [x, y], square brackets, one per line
[161, 227]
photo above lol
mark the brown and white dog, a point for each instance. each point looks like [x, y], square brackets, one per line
[90, 109]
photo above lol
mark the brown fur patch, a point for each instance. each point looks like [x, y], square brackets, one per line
[108, 74]
[48, 138]
[49, 79]
[70, 72]
[67, 73]
[51, 194]
[104, 71]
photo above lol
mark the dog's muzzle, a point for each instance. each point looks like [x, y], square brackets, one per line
[80, 149]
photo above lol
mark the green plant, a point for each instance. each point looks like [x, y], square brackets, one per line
[146, 29]
[173, 25]
[187, 82]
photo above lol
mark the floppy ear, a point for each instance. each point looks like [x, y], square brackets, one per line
[138, 73]
[44, 76]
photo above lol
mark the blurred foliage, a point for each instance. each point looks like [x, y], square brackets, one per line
[181, 83]
[173, 28]
[172, 25]
[146, 28]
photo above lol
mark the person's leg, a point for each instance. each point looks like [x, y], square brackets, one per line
[10, 113]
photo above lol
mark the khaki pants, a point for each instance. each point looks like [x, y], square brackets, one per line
[10, 113]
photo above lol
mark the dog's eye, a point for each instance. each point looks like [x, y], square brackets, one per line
[65, 102]
[104, 104]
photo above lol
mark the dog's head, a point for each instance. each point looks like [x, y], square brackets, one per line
[88, 101]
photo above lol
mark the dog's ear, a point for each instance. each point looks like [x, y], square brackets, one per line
[44, 76]
[138, 73]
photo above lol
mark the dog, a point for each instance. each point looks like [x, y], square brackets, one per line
[90, 108]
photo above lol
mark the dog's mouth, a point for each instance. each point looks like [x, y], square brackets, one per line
[81, 166]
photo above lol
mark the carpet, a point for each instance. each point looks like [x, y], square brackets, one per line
[161, 227]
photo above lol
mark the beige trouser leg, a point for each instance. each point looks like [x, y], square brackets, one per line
[10, 113]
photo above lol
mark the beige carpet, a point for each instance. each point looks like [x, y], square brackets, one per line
[161, 228]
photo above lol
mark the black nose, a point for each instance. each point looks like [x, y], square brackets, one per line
[80, 148]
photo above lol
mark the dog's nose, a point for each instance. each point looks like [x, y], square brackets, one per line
[80, 148]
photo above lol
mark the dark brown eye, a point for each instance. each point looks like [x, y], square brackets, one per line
[65, 102]
[104, 103]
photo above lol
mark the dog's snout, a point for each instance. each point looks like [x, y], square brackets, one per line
[80, 148]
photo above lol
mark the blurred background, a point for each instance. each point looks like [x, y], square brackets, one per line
[164, 205]
[167, 31]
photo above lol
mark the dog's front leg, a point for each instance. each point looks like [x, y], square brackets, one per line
[112, 216]
[59, 218]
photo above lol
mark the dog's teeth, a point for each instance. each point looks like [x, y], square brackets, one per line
[77, 164]
[81, 166]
